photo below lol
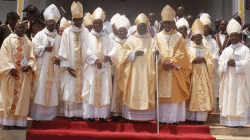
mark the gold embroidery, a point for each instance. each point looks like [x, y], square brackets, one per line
[201, 83]
[17, 86]
[98, 77]
[98, 90]
[13, 117]
[50, 73]
[167, 44]
[49, 81]
[78, 67]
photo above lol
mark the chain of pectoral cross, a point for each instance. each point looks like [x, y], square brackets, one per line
[169, 51]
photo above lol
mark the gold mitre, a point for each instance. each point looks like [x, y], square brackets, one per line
[197, 27]
[76, 10]
[142, 18]
[168, 13]
[64, 23]
[99, 14]
[87, 20]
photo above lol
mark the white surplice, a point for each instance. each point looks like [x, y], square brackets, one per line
[235, 84]
[98, 85]
[44, 106]
[67, 52]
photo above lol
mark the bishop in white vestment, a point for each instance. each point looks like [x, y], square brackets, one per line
[97, 89]
[73, 53]
[234, 65]
[47, 88]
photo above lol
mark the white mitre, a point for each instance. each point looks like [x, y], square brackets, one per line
[181, 22]
[205, 19]
[51, 13]
[115, 18]
[233, 26]
[122, 22]
[205, 14]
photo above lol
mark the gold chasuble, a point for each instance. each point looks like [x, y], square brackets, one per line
[173, 84]
[15, 92]
[137, 79]
[201, 88]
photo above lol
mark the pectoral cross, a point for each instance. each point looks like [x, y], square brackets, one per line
[232, 57]
[169, 52]
[199, 53]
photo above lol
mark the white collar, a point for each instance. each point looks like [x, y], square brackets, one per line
[76, 29]
[46, 31]
[122, 41]
[147, 34]
[98, 34]
[234, 46]
[207, 37]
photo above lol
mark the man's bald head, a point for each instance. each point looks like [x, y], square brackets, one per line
[223, 25]
[20, 28]
[151, 18]
[190, 20]
[217, 23]
[20, 23]
[180, 11]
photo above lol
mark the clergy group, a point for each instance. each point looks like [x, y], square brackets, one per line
[91, 69]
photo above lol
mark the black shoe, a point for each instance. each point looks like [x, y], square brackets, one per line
[175, 123]
[80, 119]
[190, 122]
[115, 119]
[91, 120]
[102, 120]
[5, 127]
[127, 121]
[145, 122]
[71, 119]
[233, 126]
[20, 128]
[200, 122]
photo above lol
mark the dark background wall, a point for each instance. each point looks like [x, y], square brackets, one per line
[131, 8]
[216, 8]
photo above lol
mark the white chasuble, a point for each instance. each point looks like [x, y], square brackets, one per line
[235, 85]
[97, 84]
[47, 82]
[15, 92]
[73, 53]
